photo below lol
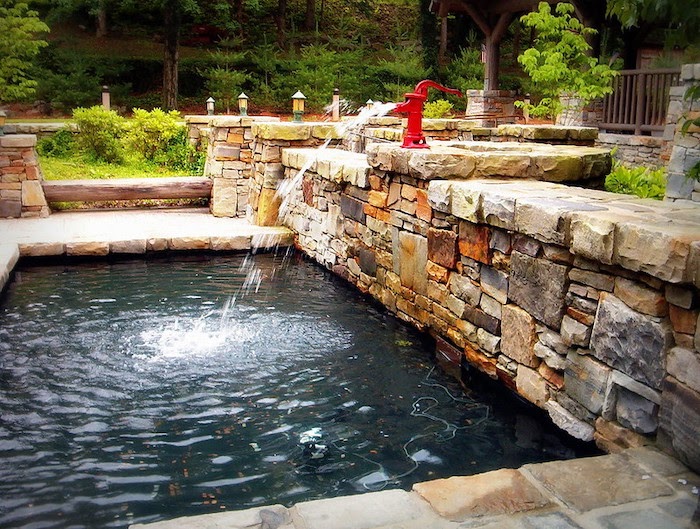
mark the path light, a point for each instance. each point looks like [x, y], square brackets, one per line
[336, 105]
[242, 104]
[210, 106]
[106, 103]
[369, 104]
[3, 117]
[298, 106]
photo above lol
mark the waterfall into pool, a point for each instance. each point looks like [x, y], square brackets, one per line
[139, 390]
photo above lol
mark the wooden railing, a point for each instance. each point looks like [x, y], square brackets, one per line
[639, 101]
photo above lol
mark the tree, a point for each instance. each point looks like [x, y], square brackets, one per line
[19, 45]
[559, 63]
[683, 16]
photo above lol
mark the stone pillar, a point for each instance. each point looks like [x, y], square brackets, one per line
[229, 159]
[686, 147]
[21, 194]
[269, 141]
[484, 106]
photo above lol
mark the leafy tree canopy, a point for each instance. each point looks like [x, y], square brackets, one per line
[19, 45]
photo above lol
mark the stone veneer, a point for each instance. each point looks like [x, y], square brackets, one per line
[583, 302]
[21, 194]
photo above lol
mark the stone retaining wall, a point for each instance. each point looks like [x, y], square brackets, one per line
[21, 194]
[583, 302]
[637, 151]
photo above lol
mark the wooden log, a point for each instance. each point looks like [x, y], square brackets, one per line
[126, 189]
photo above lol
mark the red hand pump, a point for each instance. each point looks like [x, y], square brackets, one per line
[413, 138]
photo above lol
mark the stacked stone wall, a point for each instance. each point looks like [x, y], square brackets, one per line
[637, 151]
[229, 159]
[686, 147]
[583, 302]
[21, 194]
[491, 107]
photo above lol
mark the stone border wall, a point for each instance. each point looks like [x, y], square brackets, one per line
[21, 194]
[686, 147]
[551, 289]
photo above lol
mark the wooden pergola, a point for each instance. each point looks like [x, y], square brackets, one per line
[493, 18]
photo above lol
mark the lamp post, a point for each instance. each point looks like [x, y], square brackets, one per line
[210, 106]
[369, 104]
[106, 103]
[298, 106]
[242, 104]
[336, 105]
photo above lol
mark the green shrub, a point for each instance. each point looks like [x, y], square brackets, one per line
[100, 132]
[58, 145]
[640, 181]
[161, 139]
[437, 109]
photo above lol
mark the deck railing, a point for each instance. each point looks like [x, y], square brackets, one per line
[639, 101]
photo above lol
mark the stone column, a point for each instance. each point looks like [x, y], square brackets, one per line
[269, 141]
[21, 194]
[686, 147]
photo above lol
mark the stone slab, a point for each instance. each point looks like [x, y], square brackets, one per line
[270, 517]
[364, 511]
[600, 482]
[504, 491]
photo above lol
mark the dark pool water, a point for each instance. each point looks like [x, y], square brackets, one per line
[141, 390]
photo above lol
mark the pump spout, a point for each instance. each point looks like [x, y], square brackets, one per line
[413, 106]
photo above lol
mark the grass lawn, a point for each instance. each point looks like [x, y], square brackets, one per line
[77, 168]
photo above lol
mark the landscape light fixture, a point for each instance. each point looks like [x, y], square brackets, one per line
[3, 117]
[336, 105]
[298, 106]
[369, 104]
[242, 104]
[210, 106]
[106, 103]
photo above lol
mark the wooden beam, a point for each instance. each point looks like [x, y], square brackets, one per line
[126, 189]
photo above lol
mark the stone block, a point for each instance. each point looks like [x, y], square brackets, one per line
[518, 336]
[635, 412]
[466, 203]
[612, 437]
[491, 307]
[631, 342]
[679, 421]
[568, 422]
[367, 261]
[612, 480]
[683, 320]
[137, 246]
[442, 247]
[671, 242]
[439, 195]
[439, 163]
[267, 213]
[479, 318]
[574, 332]
[465, 289]
[224, 198]
[640, 298]
[10, 208]
[550, 357]
[411, 258]
[679, 296]
[386, 508]
[539, 286]
[532, 386]
[482, 362]
[32, 194]
[592, 279]
[494, 283]
[352, 208]
[17, 141]
[684, 365]
[474, 242]
[230, 243]
[460, 498]
[587, 381]
[87, 248]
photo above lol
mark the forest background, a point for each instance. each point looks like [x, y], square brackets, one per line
[176, 53]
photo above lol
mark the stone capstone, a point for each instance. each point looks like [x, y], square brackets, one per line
[503, 491]
[631, 342]
[539, 286]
